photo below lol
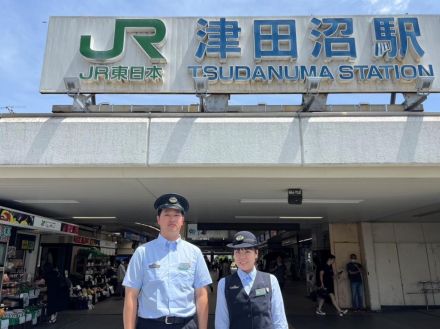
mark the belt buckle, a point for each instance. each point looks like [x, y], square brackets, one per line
[166, 320]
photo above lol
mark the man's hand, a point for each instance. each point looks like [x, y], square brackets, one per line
[130, 307]
[202, 307]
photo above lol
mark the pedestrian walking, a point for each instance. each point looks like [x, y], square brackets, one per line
[279, 270]
[326, 287]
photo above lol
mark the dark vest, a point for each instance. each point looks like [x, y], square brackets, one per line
[251, 311]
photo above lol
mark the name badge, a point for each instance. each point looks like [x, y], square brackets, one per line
[184, 266]
[154, 265]
[261, 292]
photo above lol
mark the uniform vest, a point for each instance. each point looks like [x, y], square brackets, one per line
[251, 311]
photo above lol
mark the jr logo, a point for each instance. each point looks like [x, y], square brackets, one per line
[154, 28]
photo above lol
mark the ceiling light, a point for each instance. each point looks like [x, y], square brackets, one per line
[150, 226]
[256, 217]
[284, 201]
[300, 217]
[97, 217]
[330, 201]
[278, 217]
[46, 201]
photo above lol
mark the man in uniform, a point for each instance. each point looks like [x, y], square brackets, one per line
[165, 283]
[249, 299]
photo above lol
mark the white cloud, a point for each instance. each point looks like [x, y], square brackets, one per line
[388, 6]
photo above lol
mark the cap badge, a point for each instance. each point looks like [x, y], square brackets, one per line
[172, 199]
[239, 238]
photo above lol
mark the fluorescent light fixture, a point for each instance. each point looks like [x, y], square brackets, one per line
[278, 217]
[47, 201]
[301, 217]
[256, 217]
[284, 201]
[150, 226]
[330, 201]
[263, 200]
[96, 217]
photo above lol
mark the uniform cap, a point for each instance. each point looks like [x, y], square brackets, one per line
[243, 239]
[173, 201]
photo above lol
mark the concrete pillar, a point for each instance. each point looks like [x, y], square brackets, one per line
[344, 240]
[369, 260]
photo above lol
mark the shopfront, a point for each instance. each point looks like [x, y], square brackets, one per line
[22, 291]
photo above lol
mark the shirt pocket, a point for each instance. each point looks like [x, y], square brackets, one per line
[185, 273]
[155, 274]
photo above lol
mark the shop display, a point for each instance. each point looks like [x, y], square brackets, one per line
[20, 304]
[95, 285]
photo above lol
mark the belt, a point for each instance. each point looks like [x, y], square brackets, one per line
[173, 319]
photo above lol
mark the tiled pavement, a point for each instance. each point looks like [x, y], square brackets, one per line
[299, 310]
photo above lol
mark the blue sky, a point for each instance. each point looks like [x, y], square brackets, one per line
[24, 25]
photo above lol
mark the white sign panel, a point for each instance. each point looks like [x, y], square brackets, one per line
[47, 224]
[192, 232]
[107, 244]
[242, 55]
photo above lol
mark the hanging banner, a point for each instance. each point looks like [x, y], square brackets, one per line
[21, 219]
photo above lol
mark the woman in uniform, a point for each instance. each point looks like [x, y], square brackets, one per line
[249, 298]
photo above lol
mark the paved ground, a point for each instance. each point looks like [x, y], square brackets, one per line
[300, 314]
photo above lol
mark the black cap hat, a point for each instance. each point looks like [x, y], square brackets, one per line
[172, 200]
[244, 239]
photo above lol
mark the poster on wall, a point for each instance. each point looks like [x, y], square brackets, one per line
[5, 233]
[17, 218]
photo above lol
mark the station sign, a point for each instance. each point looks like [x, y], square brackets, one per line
[242, 55]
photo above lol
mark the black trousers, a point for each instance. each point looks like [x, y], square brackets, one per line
[152, 324]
